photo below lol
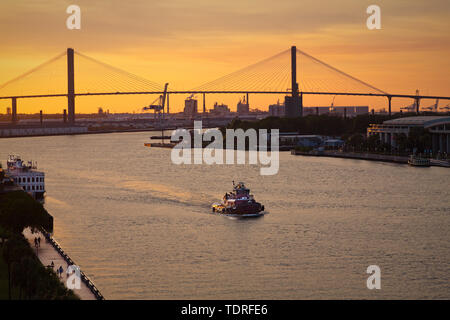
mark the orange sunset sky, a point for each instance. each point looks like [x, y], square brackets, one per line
[190, 42]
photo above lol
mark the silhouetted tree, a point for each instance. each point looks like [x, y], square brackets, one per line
[19, 210]
[8, 256]
[373, 142]
[401, 141]
[356, 141]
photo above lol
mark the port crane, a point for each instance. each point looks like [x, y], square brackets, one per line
[410, 108]
[447, 107]
[332, 105]
[433, 107]
[157, 108]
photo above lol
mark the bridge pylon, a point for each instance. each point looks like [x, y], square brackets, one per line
[14, 110]
[390, 105]
[71, 85]
[294, 103]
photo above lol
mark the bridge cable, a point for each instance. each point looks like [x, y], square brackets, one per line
[33, 70]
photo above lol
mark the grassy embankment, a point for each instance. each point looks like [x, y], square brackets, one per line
[22, 276]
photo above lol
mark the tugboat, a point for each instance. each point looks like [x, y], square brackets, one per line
[239, 204]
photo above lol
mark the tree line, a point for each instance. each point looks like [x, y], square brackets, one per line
[329, 125]
[351, 130]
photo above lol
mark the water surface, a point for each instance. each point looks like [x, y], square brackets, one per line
[141, 227]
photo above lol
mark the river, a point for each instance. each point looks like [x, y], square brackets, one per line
[141, 228]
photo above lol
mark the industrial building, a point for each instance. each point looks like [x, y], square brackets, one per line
[242, 107]
[190, 106]
[342, 111]
[438, 126]
[293, 106]
[37, 130]
[279, 110]
[220, 110]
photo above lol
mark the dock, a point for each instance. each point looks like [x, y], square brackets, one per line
[159, 145]
[50, 251]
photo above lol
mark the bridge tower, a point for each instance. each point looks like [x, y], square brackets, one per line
[14, 110]
[417, 101]
[390, 105]
[294, 84]
[294, 103]
[70, 86]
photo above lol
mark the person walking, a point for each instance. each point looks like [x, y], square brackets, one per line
[36, 246]
[60, 271]
[39, 242]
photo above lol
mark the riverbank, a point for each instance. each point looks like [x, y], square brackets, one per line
[34, 133]
[23, 131]
[365, 156]
[351, 155]
[23, 277]
[51, 252]
[25, 271]
[4, 282]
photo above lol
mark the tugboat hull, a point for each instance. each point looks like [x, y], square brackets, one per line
[242, 216]
[250, 212]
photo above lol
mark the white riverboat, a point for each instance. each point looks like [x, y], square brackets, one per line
[418, 162]
[26, 176]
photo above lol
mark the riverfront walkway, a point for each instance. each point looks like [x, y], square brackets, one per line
[367, 156]
[47, 253]
[354, 155]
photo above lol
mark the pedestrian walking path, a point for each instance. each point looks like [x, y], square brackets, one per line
[47, 254]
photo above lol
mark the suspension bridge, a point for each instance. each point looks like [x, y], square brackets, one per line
[277, 74]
